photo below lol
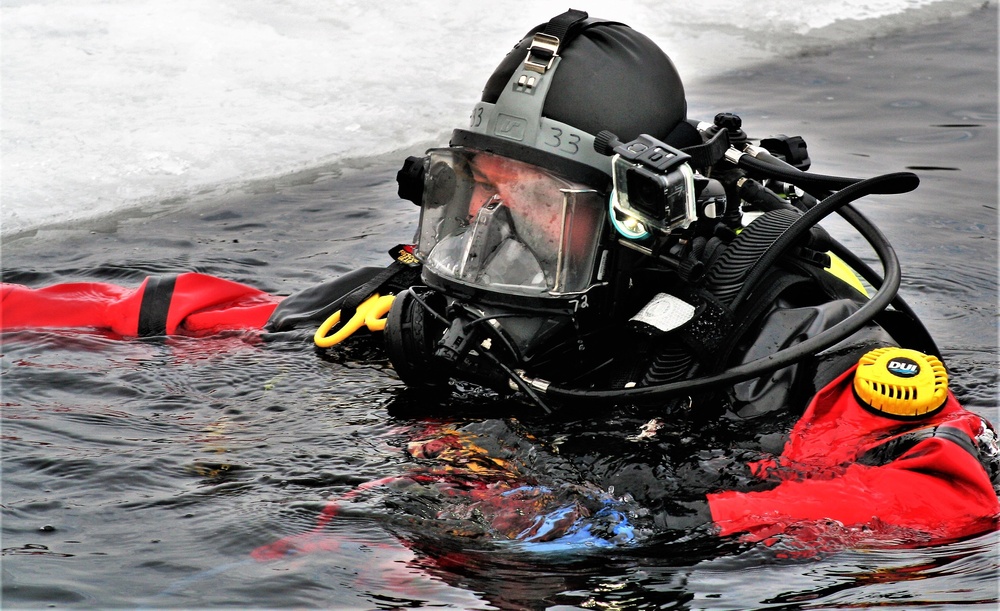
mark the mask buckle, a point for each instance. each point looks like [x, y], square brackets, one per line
[541, 53]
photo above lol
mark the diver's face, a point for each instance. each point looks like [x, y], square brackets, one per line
[536, 203]
[499, 205]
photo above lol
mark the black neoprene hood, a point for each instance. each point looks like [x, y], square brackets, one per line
[610, 78]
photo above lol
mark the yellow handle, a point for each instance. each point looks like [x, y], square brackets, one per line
[375, 318]
[370, 313]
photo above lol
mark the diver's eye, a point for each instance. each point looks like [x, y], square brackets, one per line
[484, 187]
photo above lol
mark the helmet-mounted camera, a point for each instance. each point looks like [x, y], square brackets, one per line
[653, 185]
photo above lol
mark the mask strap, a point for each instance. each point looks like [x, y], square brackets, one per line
[545, 44]
[517, 114]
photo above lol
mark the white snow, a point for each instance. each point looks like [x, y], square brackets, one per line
[108, 104]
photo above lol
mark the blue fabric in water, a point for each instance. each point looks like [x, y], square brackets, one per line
[608, 527]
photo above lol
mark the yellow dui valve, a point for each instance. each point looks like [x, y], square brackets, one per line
[371, 313]
[901, 382]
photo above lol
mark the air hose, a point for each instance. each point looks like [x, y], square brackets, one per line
[857, 220]
[900, 182]
[805, 180]
[890, 183]
[727, 276]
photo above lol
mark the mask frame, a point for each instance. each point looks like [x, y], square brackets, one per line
[498, 224]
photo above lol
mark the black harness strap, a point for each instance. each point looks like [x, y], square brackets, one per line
[776, 283]
[562, 26]
[714, 333]
[396, 277]
[708, 330]
[155, 305]
[892, 449]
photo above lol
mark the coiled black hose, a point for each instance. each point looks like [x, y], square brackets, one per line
[890, 183]
[857, 220]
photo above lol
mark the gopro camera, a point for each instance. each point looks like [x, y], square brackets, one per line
[653, 182]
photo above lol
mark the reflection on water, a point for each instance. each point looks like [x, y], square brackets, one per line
[941, 137]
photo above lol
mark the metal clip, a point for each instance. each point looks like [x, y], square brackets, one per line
[541, 52]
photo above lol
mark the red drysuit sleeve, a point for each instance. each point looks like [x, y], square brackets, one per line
[937, 487]
[838, 464]
[186, 303]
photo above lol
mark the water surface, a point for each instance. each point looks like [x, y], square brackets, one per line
[145, 473]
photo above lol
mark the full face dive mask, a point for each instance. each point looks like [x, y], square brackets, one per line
[497, 224]
[513, 258]
[518, 253]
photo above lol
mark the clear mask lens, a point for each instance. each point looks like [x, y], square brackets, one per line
[496, 223]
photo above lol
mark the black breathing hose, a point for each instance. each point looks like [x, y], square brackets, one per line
[805, 180]
[903, 181]
[857, 220]
[890, 183]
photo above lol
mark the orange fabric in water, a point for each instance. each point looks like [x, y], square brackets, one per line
[198, 305]
[935, 487]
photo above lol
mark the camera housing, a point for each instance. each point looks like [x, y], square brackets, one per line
[653, 183]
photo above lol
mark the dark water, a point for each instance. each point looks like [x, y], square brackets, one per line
[144, 474]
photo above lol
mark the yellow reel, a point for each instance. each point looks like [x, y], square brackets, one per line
[901, 382]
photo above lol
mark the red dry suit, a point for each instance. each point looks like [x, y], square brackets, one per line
[184, 304]
[843, 462]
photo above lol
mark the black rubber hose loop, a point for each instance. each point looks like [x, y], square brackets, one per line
[901, 182]
[800, 228]
[813, 345]
[857, 220]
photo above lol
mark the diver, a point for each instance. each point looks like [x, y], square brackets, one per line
[698, 351]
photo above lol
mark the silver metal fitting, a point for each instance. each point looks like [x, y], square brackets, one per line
[733, 155]
[755, 151]
[535, 383]
[540, 385]
[541, 52]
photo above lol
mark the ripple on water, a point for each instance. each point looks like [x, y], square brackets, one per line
[976, 114]
[906, 104]
[938, 137]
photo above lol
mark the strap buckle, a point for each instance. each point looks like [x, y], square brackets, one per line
[541, 53]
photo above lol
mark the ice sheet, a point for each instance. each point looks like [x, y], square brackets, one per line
[108, 104]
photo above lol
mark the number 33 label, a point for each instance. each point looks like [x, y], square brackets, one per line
[565, 142]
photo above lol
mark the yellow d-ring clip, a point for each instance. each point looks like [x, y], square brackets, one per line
[371, 313]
